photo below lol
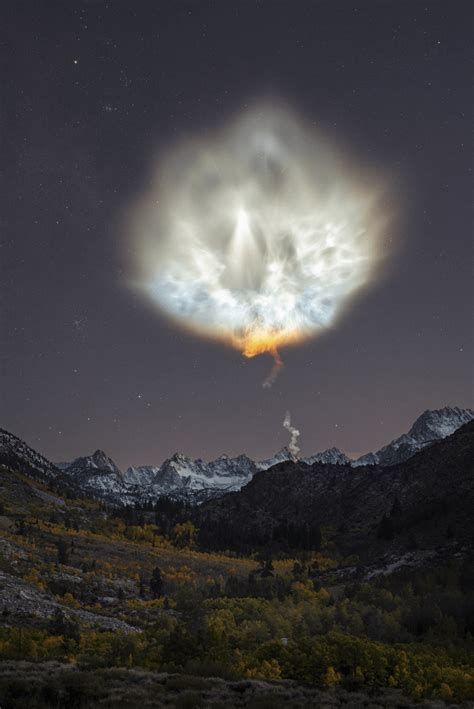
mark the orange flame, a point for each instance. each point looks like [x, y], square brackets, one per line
[258, 342]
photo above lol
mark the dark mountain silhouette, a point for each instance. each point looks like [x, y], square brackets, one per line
[414, 502]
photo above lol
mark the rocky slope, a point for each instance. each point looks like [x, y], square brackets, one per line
[21, 600]
[16, 454]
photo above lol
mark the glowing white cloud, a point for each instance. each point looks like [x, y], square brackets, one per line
[258, 235]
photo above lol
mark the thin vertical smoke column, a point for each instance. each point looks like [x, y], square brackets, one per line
[277, 366]
[293, 447]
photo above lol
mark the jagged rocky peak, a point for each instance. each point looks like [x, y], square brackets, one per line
[367, 459]
[440, 422]
[98, 461]
[331, 456]
[283, 455]
[179, 459]
[225, 466]
[101, 460]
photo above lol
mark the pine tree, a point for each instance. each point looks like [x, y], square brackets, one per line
[156, 583]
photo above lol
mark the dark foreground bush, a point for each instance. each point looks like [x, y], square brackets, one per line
[54, 686]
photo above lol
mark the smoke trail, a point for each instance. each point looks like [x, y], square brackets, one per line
[277, 366]
[293, 448]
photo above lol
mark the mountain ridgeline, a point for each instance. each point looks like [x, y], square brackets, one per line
[196, 481]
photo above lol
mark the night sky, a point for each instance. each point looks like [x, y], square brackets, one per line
[94, 91]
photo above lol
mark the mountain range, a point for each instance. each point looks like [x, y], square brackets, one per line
[181, 477]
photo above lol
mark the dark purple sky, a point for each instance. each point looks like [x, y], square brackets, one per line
[93, 89]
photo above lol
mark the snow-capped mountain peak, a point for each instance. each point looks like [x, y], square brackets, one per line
[331, 456]
[98, 461]
[431, 426]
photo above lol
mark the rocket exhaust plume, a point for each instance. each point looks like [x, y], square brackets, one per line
[277, 366]
[292, 447]
[258, 235]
